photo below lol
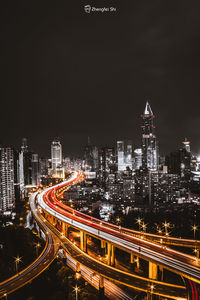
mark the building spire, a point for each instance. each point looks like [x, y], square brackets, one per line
[148, 110]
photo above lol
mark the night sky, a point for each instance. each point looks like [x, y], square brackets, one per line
[70, 74]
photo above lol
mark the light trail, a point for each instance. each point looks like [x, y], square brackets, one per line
[173, 260]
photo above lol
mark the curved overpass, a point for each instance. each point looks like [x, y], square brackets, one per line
[183, 264]
[40, 264]
[53, 243]
[180, 263]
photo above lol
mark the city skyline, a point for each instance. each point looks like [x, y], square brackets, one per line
[136, 54]
[112, 143]
[100, 150]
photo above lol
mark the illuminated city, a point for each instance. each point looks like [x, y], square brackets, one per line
[100, 152]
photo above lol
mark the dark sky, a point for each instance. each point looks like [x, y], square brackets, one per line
[70, 74]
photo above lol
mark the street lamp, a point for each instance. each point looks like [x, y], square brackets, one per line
[151, 287]
[17, 261]
[166, 226]
[194, 228]
[37, 246]
[76, 289]
[118, 220]
[139, 221]
[144, 227]
[159, 230]
[5, 295]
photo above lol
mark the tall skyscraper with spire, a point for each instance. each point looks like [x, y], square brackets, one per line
[149, 143]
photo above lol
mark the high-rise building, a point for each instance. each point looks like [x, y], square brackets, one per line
[149, 143]
[124, 155]
[43, 166]
[25, 165]
[137, 158]
[56, 158]
[179, 162]
[35, 170]
[106, 163]
[7, 191]
[128, 155]
[120, 155]
[91, 157]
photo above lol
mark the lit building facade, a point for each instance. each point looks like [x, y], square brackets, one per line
[25, 165]
[124, 155]
[91, 157]
[7, 190]
[149, 143]
[106, 163]
[137, 158]
[56, 159]
[35, 170]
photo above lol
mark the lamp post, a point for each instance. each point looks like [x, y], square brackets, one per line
[37, 246]
[17, 261]
[166, 226]
[151, 289]
[194, 228]
[144, 227]
[76, 289]
[139, 221]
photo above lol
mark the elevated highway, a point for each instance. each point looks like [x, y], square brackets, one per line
[62, 216]
[40, 264]
[53, 244]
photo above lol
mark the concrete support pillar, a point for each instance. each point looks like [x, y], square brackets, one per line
[153, 271]
[111, 254]
[132, 261]
[137, 261]
[66, 229]
[131, 257]
[83, 241]
[101, 287]
[161, 271]
[63, 228]
[103, 248]
[103, 244]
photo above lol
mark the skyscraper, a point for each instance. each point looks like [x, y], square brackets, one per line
[137, 158]
[124, 155]
[128, 154]
[7, 192]
[35, 170]
[91, 157]
[149, 143]
[106, 163]
[25, 165]
[56, 158]
[120, 155]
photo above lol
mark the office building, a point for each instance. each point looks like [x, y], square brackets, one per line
[149, 142]
[7, 191]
